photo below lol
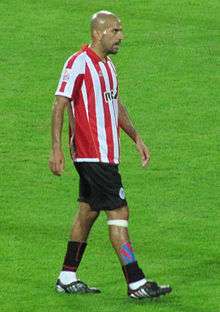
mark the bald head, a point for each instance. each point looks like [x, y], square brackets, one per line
[106, 32]
[101, 20]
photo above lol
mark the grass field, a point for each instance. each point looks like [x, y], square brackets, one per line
[167, 69]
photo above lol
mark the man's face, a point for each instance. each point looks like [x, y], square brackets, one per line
[112, 36]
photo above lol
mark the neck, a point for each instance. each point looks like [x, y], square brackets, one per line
[98, 51]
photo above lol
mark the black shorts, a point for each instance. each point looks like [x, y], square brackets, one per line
[100, 186]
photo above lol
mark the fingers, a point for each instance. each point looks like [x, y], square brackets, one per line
[144, 153]
[145, 158]
[56, 166]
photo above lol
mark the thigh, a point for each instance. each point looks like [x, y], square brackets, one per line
[121, 213]
[86, 212]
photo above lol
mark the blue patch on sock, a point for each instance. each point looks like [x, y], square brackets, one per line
[127, 253]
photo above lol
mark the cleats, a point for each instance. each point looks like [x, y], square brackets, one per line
[77, 287]
[149, 290]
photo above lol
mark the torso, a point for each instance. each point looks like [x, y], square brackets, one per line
[92, 86]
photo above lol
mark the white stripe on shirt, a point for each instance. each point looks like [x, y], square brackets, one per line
[111, 109]
[100, 119]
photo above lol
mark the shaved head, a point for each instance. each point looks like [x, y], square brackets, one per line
[101, 20]
[106, 32]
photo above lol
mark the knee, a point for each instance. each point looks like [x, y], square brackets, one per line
[91, 216]
[118, 225]
[118, 214]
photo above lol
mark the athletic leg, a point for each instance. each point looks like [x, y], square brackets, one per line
[83, 223]
[138, 286]
[75, 249]
[119, 237]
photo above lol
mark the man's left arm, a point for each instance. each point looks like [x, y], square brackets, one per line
[126, 124]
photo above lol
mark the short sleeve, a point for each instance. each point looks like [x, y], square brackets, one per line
[72, 70]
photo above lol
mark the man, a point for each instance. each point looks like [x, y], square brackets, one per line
[88, 87]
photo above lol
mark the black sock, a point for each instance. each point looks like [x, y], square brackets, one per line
[74, 255]
[132, 272]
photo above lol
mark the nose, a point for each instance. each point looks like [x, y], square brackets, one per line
[121, 35]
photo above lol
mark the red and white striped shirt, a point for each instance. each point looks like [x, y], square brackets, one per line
[92, 86]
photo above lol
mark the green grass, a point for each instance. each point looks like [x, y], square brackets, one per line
[168, 76]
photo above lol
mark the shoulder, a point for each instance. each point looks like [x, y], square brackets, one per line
[76, 60]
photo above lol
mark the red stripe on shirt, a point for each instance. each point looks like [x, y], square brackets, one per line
[92, 111]
[62, 87]
[107, 116]
[83, 137]
[109, 75]
[77, 87]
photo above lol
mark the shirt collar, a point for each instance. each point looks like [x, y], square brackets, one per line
[95, 57]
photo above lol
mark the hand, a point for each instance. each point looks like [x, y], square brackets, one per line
[56, 162]
[143, 151]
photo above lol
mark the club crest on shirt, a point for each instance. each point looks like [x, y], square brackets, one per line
[66, 75]
[122, 193]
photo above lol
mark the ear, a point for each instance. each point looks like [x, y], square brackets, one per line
[97, 34]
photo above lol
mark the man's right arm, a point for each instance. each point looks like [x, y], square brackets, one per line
[56, 161]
